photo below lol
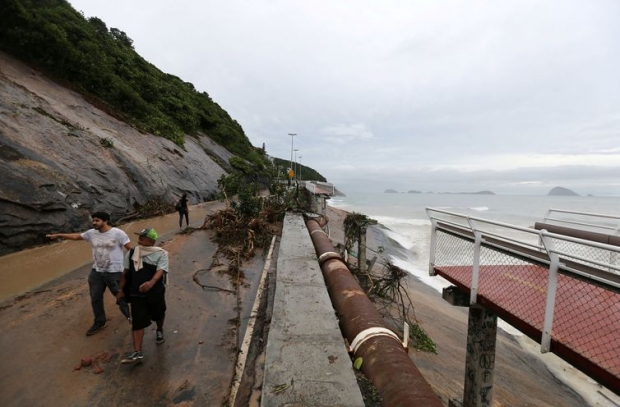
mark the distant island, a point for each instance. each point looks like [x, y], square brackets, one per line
[470, 193]
[479, 193]
[412, 191]
[557, 191]
[560, 191]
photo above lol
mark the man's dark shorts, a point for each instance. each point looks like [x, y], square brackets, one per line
[147, 309]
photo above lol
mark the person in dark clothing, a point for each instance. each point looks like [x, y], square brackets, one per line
[183, 210]
[143, 286]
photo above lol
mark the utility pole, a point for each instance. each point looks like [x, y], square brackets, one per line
[290, 168]
[292, 135]
[300, 177]
[295, 168]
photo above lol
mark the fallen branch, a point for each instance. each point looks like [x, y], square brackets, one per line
[204, 286]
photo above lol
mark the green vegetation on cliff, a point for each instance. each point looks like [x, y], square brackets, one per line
[100, 62]
[305, 173]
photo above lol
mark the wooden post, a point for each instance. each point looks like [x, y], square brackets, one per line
[480, 358]
[371, 263]
[361, 255]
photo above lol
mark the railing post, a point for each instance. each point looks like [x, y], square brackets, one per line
[545, 343]
[613, 256]
[431, 260]
[475, 274]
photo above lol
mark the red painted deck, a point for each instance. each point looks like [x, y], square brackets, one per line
[586, 323]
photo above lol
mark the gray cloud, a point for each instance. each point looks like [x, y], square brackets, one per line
[510, 96]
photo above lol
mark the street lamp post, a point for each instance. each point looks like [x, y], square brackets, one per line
[299, 177]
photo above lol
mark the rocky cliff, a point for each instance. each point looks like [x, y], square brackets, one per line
[62, 158]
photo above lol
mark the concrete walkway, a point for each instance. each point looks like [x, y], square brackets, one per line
[306, 362]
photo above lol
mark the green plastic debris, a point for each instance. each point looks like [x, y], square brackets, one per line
[358, 363]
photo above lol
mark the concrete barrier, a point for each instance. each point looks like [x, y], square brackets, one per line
[306, 362]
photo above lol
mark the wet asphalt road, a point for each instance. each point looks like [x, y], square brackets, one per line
[43, 339]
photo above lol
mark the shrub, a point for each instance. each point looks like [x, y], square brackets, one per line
[106, 142]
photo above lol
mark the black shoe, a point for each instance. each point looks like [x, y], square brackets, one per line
[134, 357]
[93, 329]
[159, 337]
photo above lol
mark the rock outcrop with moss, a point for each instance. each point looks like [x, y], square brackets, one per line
[63, 158]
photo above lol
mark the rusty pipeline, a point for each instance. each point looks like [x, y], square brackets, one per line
[386, 363]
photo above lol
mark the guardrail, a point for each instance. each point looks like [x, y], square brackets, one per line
[574, 280]
[317, 187]
[579, 218]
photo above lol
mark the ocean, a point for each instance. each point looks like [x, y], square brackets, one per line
[407, 237]
[407, 222]
[521, 210]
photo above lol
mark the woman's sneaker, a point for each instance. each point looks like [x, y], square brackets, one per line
[134, 357]
[159, 337]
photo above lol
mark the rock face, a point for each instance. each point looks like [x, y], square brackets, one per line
[560, 191]
[62, 158]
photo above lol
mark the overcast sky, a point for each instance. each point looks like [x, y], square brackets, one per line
[515, 97]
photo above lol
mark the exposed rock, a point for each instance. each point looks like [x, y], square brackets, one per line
[560, 191]
[58, 169]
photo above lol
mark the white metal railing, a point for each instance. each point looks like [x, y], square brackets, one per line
[598, 216]
[546, 246]
[472, 225]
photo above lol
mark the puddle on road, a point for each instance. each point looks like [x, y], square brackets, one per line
[31, 268]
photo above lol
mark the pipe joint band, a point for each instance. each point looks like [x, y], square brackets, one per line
[368, 333]
[328, 256]
[318, 230]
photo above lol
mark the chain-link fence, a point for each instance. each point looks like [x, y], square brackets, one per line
[579, 305]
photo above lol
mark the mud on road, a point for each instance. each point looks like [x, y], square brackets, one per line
[43, 339]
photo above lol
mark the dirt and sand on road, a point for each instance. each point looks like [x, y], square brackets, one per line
[43, 340]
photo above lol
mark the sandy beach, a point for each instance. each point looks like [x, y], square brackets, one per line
[521, 376]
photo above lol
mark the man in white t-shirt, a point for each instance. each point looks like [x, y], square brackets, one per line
[107, 243]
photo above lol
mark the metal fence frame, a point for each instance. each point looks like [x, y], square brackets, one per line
[558, 253]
